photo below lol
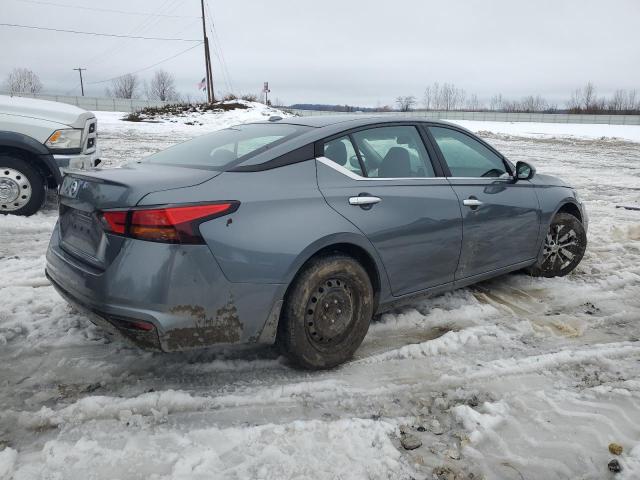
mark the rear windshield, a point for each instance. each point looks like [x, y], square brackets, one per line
[227, 148]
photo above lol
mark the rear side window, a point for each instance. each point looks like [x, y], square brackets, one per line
[228, 147]
[465, 156]
[341, 151]
[393, 152]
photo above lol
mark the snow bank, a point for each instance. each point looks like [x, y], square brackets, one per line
[345, 449]
[481, 421]
[8, 458]
[536, 363]
[450, 342]
[194, 123]
[157, 405]
[629, 133]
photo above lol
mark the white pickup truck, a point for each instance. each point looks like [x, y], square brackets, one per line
[38, 139]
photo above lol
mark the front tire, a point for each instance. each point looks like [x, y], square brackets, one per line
[22, 189]
[327, 312]
[563, 247]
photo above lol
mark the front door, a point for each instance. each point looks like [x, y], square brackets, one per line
[382, 180]
[500, 217]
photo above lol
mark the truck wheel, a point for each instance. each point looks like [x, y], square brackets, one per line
[327, 312]
[22, 190]
[563, 248]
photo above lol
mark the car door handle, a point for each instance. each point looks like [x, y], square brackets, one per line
[364, 200]
[471, 202]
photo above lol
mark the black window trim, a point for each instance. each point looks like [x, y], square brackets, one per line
[302, 154]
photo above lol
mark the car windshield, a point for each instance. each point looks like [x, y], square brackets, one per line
[234, 145]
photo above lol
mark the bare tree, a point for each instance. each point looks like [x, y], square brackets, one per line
[22, 80]
[573, 105]
[428, 100]
[450, 97]
[405, 104]
[474, 104]
[585, 100]
[162, 87]
[533, 104]
[624, 101]
[589, 97]
[633, 102]
[125, 86]
[496, 102]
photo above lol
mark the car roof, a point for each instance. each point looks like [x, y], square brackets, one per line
[347, 121]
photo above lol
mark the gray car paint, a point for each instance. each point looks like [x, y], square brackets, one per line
[231, 289]
[503, 230]
[416, 228]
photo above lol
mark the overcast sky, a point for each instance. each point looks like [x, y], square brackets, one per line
[328, 51]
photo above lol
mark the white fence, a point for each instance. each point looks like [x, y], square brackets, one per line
[98, 103]
[497, 116]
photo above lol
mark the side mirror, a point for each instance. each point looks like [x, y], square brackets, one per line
[524, 171]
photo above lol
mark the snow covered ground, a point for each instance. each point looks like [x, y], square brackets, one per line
[555, 130]
[515, 378]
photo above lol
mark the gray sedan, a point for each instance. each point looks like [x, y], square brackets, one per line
[298, 231]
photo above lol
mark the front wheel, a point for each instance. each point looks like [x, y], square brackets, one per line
[326, 313]
[22, 189]
[563, 248]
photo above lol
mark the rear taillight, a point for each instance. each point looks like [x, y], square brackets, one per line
[177, 224]
[115, 221]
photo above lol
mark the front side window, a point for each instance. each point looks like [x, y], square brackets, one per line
[465, 156]
[393, 152]
[218, 150]
[341, 151]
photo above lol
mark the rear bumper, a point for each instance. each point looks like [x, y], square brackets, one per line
[179, 290]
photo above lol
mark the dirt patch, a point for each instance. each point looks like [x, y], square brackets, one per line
[222, 327]
[154, 114]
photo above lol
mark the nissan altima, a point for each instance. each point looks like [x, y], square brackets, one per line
[298, 231]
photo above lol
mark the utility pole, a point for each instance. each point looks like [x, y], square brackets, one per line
[207, 59]
[81, 84]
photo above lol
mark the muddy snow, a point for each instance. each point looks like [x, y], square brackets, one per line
[515, 378]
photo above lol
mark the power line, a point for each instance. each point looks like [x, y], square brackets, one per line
[141, 28]
[216, 40]
[150, 66]
[108, 10]
[96, 33]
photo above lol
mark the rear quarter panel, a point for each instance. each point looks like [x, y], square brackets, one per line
[282, 221]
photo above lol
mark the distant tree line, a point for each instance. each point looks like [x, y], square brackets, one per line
[583, 100]
[331, 108]
[446, 97]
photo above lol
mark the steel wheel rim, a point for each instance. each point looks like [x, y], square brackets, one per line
[15, 190]
[330, 312]
[561, 247]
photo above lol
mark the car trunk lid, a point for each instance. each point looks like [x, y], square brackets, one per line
[83, 195]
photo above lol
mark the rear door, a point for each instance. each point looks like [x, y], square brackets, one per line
[500, 217]
[382, 179]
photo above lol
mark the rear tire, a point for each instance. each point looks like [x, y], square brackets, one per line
[22, 188]
[563, 248]
[326, 313]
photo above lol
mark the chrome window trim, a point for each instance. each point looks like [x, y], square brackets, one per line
[493, 179]
[345, 171]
